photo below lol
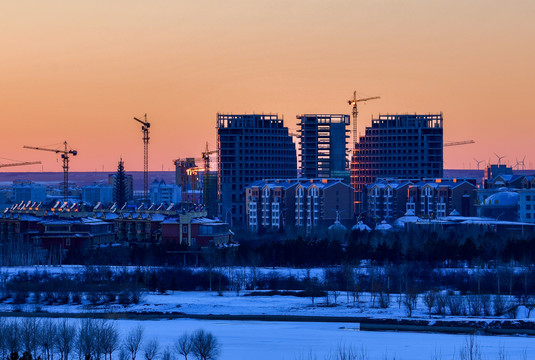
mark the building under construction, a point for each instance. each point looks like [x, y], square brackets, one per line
[251, 147]
[323, 145]
[397, 146]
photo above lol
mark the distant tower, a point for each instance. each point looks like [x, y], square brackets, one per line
[323, 145]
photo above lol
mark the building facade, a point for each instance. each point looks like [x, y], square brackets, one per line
[97, 193]
[526, 205]
[24, 191]
[251, 147]
[301, 204]
[323, 145]
[397, 146]
[162, 193]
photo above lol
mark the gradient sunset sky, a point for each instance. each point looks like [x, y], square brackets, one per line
[80, 70]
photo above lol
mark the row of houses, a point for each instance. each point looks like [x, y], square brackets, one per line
[389, 199]
[72, 226]
[302, 204]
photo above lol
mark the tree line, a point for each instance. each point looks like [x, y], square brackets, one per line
[90, 339]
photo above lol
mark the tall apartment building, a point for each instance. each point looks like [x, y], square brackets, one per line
[97, 193]
[323, 145]
[404, 146]
[251, 147]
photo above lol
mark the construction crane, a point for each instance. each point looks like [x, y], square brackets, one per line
[20, 163]
[206, 157]
[145, 129]
[456, 143]
[65, 153]
[354, 102]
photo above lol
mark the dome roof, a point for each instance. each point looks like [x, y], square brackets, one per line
[383, 226]
[361, 227]
[502, 198]
[337, 226]
[400, 222]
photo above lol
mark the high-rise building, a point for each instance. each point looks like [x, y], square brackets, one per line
[251, 147]
[162, 193]
[323, 145]
[404, 146]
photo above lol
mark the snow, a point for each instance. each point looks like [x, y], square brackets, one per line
[294, 340]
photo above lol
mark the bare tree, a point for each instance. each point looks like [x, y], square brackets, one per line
[29, 335]
[166, 355]
[205, 345]
[184, 345]
[86, 339]
[13, 334]
[133, 341]
[151, 350]
[109, 339]
[47, 338]
[3, 342]
[410, 300]
[430, 299]
[470, 350]
[65, 338]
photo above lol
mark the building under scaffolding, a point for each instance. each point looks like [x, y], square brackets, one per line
[323, 145]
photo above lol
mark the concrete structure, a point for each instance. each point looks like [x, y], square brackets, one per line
[323, 145]
[526, 205]
[162, 193]
[302, 204]
[24, 191]
[97, 193]
[397, 146]
[251, 147]
[437, 198]
[389, 199]
[386, 199]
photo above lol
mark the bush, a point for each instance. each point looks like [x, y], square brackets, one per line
[455, 304]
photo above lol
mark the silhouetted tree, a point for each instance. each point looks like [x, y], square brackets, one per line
[120, 195]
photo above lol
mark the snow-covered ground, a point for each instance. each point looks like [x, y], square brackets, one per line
[254, 340]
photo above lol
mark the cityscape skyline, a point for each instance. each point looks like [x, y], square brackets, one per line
[81, 72]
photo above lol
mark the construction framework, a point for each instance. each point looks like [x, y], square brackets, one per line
[145, 129]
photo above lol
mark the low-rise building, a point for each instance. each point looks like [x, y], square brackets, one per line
[526, 205]
[302, 204]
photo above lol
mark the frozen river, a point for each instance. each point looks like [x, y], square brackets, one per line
[296, 340]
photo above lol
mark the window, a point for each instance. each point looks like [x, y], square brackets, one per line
[185, 229]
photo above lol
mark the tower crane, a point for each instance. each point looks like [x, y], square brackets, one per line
[20, 163]
[456, 143]
[205, 157]
[65, 153]
[354, 102]
[145, 129]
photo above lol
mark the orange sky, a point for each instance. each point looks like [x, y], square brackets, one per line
[80, 70]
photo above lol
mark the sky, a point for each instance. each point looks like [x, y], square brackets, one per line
[79, 71]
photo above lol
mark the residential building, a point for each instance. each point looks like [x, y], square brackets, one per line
[302, 204]
[397, 146]
[162, 193]
[97, 193]
[24, 191]
[386, 199]
[323, 145]
[526, 205]
[251, 147]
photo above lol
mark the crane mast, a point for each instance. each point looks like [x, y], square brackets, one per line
[145, 129]
[65, 157]
[354, 102]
